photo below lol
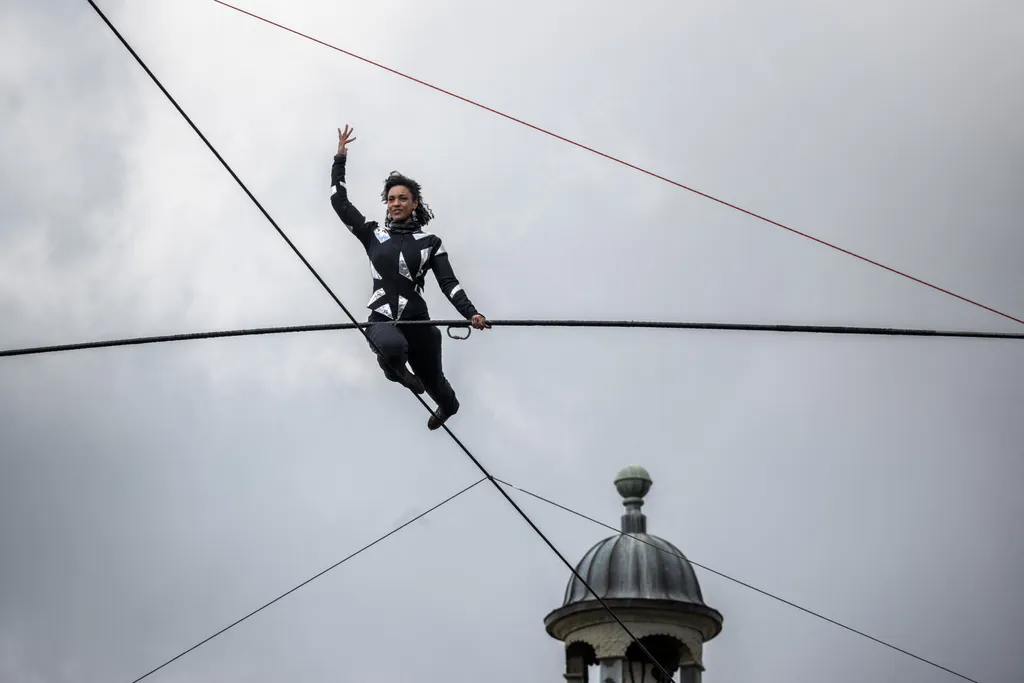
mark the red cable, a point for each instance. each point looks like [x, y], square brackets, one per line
[624, 163]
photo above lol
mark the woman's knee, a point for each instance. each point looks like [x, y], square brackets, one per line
[390, 343]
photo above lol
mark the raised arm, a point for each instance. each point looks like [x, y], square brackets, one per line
[348, 213]
[449, 284]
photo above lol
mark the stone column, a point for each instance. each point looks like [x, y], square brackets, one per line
[613, 670]
[690, 674]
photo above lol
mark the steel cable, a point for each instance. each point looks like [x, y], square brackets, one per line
[454, 324]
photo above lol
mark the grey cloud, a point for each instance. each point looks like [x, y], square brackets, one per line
[151, 496]
[70, 111]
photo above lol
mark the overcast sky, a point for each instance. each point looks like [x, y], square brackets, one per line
[149, 496]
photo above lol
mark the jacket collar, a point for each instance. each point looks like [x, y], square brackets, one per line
[407, 226]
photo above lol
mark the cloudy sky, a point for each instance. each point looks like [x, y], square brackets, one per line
[149, 496]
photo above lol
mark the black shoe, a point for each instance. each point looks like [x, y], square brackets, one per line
[437, 419]
[410, 381]
[402, 376]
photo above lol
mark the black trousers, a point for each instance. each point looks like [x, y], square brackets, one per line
[420, 345]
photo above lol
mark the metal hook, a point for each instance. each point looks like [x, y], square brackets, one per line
[469, 331]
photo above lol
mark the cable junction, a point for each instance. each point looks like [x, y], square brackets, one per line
[456, 324]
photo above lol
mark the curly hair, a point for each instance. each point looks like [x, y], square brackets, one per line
[422, 214]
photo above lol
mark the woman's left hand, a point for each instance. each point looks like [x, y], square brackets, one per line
[479, 322]
[344, 139]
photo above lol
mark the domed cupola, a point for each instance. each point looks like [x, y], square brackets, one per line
[651, 587]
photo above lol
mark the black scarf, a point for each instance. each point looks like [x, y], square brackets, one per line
[406, 226]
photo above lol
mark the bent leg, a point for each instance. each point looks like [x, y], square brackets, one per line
[392, 345]
[425, 359]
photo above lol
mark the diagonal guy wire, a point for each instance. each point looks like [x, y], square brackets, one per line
[312, 578]
[500, 489]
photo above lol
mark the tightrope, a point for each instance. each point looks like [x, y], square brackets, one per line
[456, 324]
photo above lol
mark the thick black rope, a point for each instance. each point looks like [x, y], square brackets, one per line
[453, 324]
[737, 581]
[498, 487]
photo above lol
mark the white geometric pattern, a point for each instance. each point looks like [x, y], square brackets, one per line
[424, 259]
[402, 301]
[376, 295]
[373, 272]
[403, 268]
[440, 251]
[455, 290]
[385, 310]
[422, 235]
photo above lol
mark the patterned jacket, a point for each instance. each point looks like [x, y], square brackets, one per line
[400, 256]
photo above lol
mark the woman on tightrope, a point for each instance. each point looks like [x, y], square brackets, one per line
[400, 254]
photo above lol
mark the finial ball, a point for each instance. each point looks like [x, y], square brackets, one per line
[633, 481]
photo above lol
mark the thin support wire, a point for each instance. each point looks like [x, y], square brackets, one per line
[737, 581]
[626, 163]
[313, 578]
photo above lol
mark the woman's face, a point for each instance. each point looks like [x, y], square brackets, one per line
[400, 203]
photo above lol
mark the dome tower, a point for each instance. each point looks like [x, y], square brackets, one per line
[651, 587]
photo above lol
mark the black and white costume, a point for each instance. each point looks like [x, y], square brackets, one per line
[400, 255]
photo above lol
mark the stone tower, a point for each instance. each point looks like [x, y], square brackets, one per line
[650, 586]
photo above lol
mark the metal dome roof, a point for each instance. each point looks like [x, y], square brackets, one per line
[634, 565]
[640, 579]
[637, 566]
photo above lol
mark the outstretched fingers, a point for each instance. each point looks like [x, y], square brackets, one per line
[345, 137]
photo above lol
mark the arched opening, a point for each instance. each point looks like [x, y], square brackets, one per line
[579, 659]
[666, 651]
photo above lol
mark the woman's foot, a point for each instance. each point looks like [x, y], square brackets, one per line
[437, 419]
[403, 376]
[411, 381]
